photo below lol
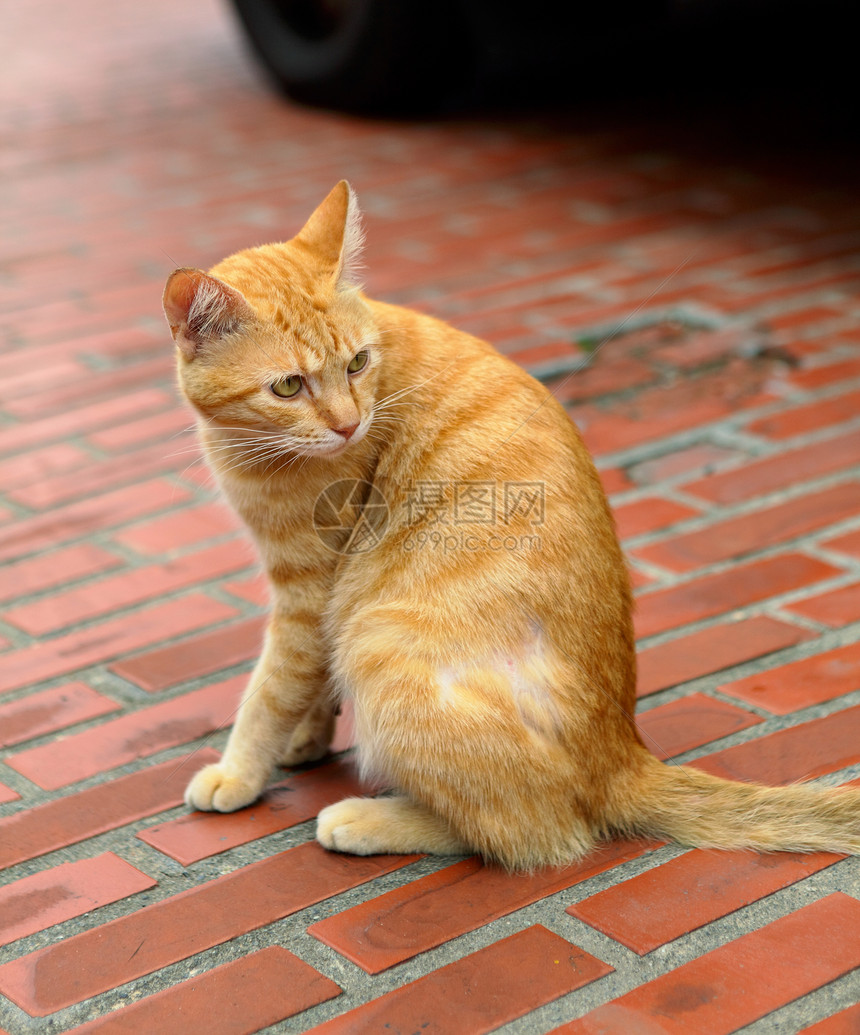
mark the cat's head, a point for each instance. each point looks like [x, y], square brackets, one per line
[276, 343]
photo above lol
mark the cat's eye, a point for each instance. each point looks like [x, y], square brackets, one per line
[358, 361]
[287, 387]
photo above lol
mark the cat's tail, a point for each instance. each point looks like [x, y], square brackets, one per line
[705, 811]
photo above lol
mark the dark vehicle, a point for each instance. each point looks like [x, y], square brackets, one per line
[403, 56]
[413, 57]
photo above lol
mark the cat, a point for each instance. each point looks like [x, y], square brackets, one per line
[439, 551]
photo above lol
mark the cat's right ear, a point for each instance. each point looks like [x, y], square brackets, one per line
[335, 236]
[201, 309]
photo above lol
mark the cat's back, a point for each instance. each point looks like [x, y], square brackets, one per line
[463, 409]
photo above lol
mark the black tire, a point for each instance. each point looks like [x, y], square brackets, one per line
[371, 56]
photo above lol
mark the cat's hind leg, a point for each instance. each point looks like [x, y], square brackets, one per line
[477, 740]
[378, 826]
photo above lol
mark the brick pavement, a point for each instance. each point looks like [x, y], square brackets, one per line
[717, 297]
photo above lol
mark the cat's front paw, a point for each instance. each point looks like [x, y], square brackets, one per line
[214, 789]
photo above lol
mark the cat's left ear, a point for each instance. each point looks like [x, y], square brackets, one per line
[200, 309]
[335, 235]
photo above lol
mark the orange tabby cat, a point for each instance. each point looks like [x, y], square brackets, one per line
[440, 551]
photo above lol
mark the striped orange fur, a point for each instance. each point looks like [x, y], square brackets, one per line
[440, 551]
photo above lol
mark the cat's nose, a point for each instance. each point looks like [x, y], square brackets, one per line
[348, 430]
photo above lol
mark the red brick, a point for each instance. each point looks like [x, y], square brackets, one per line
[804, 317]
[60, 345]
[254, 589]
[238, 998]
[735, 537]
[43, 899]
[7, 794]
[845, 1023]
[679, 726]
[826, 374]
[52, 318]
[183, 528]
[134, 735]
[814, 748]
[199, 475]
[34, 534]
[687, 892]
[724, 591]
[680, 462]
[548, 355]
[809, 350]
[661, 411]
[164, 427]
[817, 250]
[181, 926]
[615, 480]
[785, 292]
[396, 926]
[608, 433]
[811, 417]
[848, 543]
[718, 993]
[784, 469]
[480, 992]
[702, 347]
[53, 568]
[33, 466]
[122, 382]
[647, 515]
[198, 656]
[50, 711]
[843, 281]
[835, 608]
[594, 380]
[296, 799]
[66, 821]
[709, 650]
[32, 382]
[508, 321]
[33, 360]
[639, 579]
[109, 639]
[86, 418]
[803, 683]
[99, 597]
[99, 476]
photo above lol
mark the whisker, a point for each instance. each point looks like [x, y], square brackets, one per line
[184, 431]
[256, 459]
[183, 452]
[412, 388]
[249, 451]
[187, 468]
[239, 443]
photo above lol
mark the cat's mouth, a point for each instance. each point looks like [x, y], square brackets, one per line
[338, 441]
